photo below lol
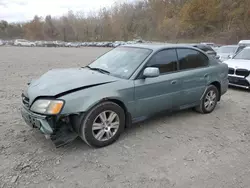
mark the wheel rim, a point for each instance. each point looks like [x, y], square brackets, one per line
[105, 125]
[210, 100]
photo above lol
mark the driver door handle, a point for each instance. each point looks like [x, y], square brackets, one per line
[206, 75]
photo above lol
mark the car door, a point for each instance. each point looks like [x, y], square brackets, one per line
[162, 92]
[193, 65]
[22, 42]
[26, 43]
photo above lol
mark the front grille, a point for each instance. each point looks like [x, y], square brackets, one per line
[25, 100]
[230, 70]
[242, 72]
[238, 81]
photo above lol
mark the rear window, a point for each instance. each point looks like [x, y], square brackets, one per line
[204, 48]
[190, 59]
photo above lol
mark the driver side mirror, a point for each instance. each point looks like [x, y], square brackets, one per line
[151, 72]
[217, 57]
[230, 56]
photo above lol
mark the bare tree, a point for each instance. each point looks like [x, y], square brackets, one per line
[148, 19]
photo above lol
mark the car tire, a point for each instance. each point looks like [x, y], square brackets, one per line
[209, 100]
[108, 134]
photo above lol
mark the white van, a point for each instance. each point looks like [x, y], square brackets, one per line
[23, 42]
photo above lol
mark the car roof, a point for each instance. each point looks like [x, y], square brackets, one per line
[229, 45]
[248, 47]
[158, 46]
[244, 42]
[207, 43]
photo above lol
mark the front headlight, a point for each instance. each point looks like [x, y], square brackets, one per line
[45, 106]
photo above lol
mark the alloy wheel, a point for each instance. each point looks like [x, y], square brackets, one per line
[210, 100]
[105, 125]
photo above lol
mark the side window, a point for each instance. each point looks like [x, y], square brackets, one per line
[209, 48]
[165, 60]
[204, 48]
[190, 59]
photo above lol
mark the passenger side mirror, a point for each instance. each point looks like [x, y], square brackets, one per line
[217, 57]
[151, 72]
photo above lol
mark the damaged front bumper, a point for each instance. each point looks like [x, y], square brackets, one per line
[59, 130]
[37, 121]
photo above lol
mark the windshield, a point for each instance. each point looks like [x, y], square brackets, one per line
[239, 49]
[227, 49]
[121, 61]
[244, 54]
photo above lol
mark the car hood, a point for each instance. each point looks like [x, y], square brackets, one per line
[62, 81]
[238, 63]
[224, 55]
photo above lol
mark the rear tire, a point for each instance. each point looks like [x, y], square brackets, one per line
[103, 124]
[209, 100]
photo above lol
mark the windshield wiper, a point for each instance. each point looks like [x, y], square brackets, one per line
[98, 69]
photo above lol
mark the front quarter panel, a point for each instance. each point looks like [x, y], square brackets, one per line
[84, 100]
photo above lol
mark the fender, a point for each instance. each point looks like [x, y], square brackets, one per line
[85, 99]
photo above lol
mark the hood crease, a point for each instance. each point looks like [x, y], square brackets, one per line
[78, 89]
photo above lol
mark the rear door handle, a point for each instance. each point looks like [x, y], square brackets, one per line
[174, 82]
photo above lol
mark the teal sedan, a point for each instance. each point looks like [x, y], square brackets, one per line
[125, 85]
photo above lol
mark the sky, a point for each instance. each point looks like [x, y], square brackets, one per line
[23, 10]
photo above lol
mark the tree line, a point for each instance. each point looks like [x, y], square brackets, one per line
[224, 21]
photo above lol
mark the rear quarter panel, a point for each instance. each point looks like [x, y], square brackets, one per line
[218, 72]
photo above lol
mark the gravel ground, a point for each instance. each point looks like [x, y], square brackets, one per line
[184, 149]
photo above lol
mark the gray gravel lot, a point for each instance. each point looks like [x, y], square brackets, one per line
[184, 149]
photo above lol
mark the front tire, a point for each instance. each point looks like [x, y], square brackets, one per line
[209, 100]
[103, 124]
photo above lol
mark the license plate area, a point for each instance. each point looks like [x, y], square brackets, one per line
[233, 79]
[31, 121]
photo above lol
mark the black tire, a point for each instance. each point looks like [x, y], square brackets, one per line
[87, 123]
[201, 108]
